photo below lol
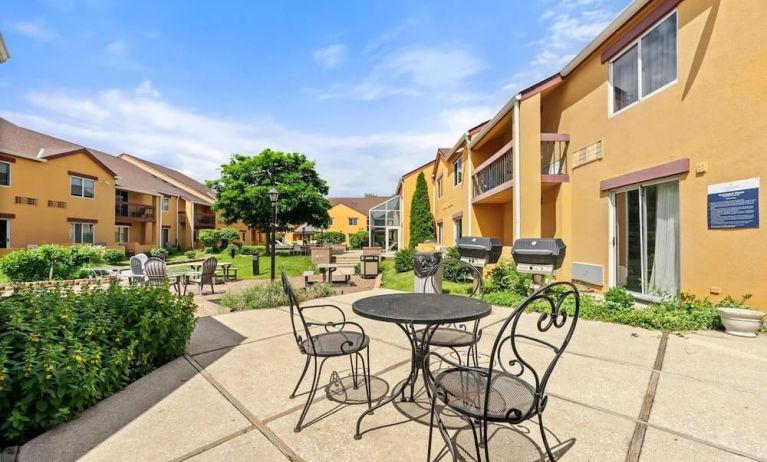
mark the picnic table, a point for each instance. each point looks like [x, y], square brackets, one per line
[180, 276]
[226, 269]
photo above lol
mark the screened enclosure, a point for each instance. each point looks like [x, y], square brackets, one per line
[385, 224]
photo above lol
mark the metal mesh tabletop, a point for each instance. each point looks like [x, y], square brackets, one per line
[421, 308]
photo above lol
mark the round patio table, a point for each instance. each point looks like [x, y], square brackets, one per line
[408, 310]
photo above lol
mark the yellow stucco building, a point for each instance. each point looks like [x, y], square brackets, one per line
[644, 154]
[350, 214]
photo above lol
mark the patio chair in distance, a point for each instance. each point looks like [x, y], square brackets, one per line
[157, 273]
[207, 275]
[321, 341]
[510, 389]
[137, 270]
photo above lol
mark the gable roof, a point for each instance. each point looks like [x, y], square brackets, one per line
[360, 204]
[180, 178]
[29, 144]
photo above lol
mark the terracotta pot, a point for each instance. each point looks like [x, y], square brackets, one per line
[741, 322]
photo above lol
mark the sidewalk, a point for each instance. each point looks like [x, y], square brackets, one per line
[619, 393]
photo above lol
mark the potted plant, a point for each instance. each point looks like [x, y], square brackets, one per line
[740, 321]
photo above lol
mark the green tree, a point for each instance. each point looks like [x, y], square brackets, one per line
[243, 190]
[421, 221]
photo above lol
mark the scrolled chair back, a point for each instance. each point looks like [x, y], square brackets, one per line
[156, 272]
[208, 270]
[557, 307]
[295, 311]
[460, 272]
[136, 265]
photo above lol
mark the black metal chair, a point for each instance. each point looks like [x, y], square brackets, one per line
[328, 340]
[454, 336]
[510, 389]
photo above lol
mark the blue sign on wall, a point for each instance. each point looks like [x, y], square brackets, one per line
[734, 204]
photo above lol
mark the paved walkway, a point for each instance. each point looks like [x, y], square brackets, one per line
[619, 393]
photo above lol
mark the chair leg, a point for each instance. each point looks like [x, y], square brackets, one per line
[352, 363]
[301, 379]
[312, 392]
[431, 429]
[445, 435]
[545, 441]
[366, 370]
[483, 435]
[476, 440]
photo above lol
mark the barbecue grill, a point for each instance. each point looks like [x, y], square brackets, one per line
[538, 256]
[479, 251]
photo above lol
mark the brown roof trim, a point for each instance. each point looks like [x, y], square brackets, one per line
[542, 85]
[656, 172]
[166, 226]
[639, 28]
[11, 160]
[87, 153]
[81, 220]
[7, 215]
[556, 137]
[123, 223]
[477, 128]
[458, 215]
[415, 170]
[83, 175]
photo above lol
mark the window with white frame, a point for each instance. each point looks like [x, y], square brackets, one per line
[646, 66]
[457, 229]
[164, 203]
[439, 233]
[82, 187]
[5, 174]
[352, 221]
[122, 234]
[457, 172]
[82, 233]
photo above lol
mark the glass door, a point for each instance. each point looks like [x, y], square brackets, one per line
[392, 239]
[5, 234]
[647, 238]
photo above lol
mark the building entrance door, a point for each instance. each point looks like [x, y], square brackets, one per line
[5, 234]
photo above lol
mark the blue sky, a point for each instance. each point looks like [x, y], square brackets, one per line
[367, 90]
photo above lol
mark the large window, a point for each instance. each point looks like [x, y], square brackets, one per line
[5, 174]
[82, 233]
[457, 172]
[82, 187]
[384, 224]
[122, 234]
[646, 66]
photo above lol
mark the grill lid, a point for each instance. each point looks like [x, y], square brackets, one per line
[478, 243]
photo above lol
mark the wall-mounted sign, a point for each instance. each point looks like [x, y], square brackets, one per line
[734, 204]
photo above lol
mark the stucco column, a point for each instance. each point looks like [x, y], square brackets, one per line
[530, 166]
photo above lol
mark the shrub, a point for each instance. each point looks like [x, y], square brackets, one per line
[113, 256]
[61, 351]
[358, 240]
[270, 295]
[619, 297]
[227, 235]
[54, 261]
[421, 221]
[452, 270]
[505, 277]
[253, 250]
[158, 252]
[404, 260]
[330, 237]
[207, 250]
[209, 238]
[190, 254]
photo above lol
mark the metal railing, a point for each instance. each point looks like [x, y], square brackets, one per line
[204, 219]
[134, 211]
[493, 173]
[181, 218]
[554, 157]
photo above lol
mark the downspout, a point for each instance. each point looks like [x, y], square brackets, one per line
[469, 185]
[178, 241]
[159, 220]
[191, 222]
[516, 162]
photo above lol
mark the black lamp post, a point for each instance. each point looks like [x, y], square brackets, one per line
[274, 195]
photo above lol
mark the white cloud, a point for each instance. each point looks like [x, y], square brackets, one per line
[118, 121]
[117, 54]
[331, 57]
[36, 30]
[117, 47]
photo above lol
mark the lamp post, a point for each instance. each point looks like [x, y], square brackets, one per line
[274, 195]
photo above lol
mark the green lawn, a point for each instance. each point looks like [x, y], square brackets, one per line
[404, 281]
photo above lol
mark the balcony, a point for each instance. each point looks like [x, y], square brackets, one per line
[554, 158]
[133, 211]
[181, 218]
[204, 220]
[494, 176]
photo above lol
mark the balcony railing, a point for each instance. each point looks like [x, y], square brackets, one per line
[133, 211]
[554, 153]
[494, 172]
[181, 218]
[204, 219]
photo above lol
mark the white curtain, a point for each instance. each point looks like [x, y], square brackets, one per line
[659, 56]
[625, 79]
[664, 278]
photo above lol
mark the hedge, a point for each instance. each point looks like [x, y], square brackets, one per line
[54, 261]
[62, 350]
[330, 237]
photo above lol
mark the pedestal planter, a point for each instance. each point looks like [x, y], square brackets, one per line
[741, 322]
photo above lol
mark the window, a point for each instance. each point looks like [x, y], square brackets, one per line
[352, 222]
[439, 187]
[82, 187]
[457, 172]
[122, 234]
[439, 233]
[5, 174]
[646, 66]
[82, 233]
[164, 204]
[458, 229]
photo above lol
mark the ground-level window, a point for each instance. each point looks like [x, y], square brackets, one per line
[82, 233]
[82, 187]
[647, 238]
[439, 233]
[122, 234]
[352, 222]
[458, 229]
[5, 174]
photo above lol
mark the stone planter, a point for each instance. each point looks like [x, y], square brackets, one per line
[741, 322]
[321, 255]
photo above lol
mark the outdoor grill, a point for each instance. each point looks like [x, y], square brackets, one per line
[538, 256]
[479, 251]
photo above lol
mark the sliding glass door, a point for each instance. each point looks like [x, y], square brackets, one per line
[646, 249]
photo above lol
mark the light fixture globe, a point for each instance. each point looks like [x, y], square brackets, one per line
[273, 195]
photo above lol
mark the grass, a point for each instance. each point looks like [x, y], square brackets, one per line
[404, 281]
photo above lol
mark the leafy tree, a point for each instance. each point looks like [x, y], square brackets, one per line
[358, 240]
[243, 190]
[421, 221]
[330, 237]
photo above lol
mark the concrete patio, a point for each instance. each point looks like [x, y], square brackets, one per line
[619, 393]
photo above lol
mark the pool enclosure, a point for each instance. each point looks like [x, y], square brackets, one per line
[385, 224]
